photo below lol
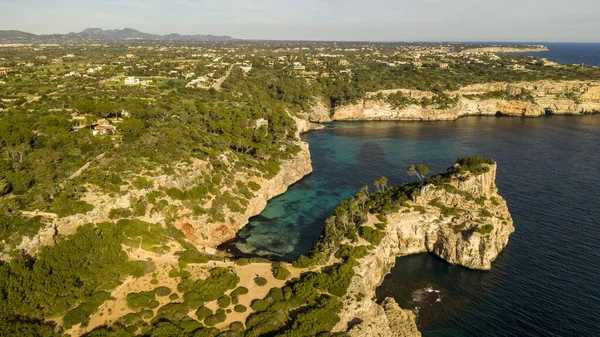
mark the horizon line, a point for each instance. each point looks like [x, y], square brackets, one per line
[455, 41]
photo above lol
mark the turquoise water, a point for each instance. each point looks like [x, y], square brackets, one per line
[545, 281]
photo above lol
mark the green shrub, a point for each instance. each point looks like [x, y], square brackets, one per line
[303, 262]
[265, 323]
[239, 291]
[173, 312]
[141, 183]
[253, 186]
[81, 314]
[140, 300]
[224, 301]
[173, 273]
[215, 319]
[133, 318]
[203, 312]
[381, 226]
[279, 271]
[373, 236]
[237, 327]
[162, 291]
[119, 213]
[242, 262]
[475, 164]
[214, 286]
[486, 229]
[318, 319]
[347, 252]
[189, 324]
[239, 308]
[146, 314]
[173, 296]
[140, 268]
[192, 255]
[260, 281]
[485, 213]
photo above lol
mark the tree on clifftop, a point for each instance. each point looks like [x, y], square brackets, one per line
[420, 171]
[381, 183]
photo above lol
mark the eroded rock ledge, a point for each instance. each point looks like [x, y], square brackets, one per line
[465, 222]
[547, 97]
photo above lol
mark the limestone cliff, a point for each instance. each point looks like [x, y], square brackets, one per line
[199, 230]
[203, 233]
[549, 97]
[465, 222]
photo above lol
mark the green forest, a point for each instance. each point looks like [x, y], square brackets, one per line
[72, 133]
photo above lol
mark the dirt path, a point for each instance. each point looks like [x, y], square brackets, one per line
[85, 167]
[217, 84]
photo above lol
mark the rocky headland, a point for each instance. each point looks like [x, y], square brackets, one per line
[465, 222]
[489, 99]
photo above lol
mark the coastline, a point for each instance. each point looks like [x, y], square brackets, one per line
[545, 98]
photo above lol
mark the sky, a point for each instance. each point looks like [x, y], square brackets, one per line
[374, 20]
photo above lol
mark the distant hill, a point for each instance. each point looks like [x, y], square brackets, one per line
[98, 35]
[15, 34]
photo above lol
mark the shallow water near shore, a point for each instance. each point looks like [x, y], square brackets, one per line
[544, 283]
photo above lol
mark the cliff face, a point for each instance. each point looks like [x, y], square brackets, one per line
[466, 223]
[550, 97]
[203, 233]
[199, 230]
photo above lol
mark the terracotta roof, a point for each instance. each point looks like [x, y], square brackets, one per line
[104, 127]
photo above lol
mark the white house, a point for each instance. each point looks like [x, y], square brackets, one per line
[132, 81]
[94, 70]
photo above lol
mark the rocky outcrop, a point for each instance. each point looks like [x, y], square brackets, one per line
[320, 112]
[303, 125]
[465, 222]
[549, 97]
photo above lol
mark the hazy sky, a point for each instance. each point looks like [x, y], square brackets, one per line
[399, 20]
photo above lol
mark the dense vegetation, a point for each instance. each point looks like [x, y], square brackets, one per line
[178, 147]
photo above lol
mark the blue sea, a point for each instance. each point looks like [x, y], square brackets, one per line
[545, 283]
[571, 53]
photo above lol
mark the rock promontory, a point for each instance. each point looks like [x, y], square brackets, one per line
[463, 220]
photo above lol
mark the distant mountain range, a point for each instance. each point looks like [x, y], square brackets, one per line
[100, 35]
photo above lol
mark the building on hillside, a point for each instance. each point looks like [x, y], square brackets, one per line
[103, 127]
[103, 130]
[131, 81]
[299, 66]
[94, 70]
[444, 65]
[246, 69]
[198, 82]
[4, 71]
